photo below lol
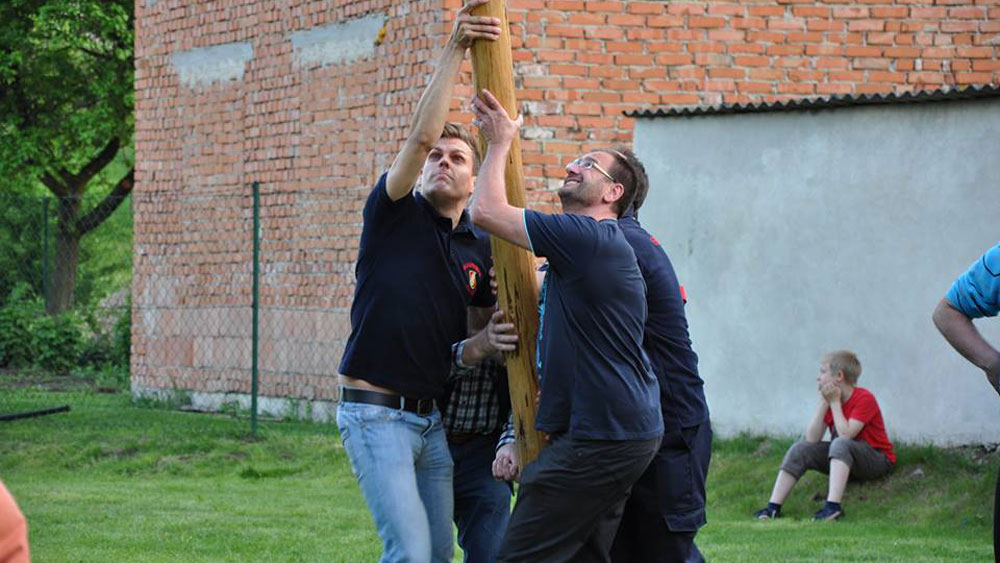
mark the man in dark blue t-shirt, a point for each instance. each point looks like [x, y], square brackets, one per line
[599, 399]
[421, 264]
[667, 504]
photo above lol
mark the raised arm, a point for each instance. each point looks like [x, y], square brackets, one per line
[432, 109]
[489, 208]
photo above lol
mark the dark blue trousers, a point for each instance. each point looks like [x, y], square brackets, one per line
[482, 504]
[667, 504]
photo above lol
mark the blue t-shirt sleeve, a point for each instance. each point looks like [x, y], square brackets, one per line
[976, 293]
[563, 239]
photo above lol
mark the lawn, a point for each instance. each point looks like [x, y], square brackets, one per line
[117, 481]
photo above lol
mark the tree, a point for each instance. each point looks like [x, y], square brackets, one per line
[66, 101]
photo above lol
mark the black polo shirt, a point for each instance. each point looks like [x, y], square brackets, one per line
[666, 340]
[596, 381]
[415, 278]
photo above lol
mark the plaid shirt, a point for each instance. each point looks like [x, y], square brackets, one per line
[474, 405]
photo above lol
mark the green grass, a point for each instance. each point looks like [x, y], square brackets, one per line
[113, 481]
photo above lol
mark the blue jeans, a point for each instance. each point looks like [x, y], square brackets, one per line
[482, 504]
[402, 463]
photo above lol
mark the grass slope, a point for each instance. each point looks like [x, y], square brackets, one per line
[114, 481]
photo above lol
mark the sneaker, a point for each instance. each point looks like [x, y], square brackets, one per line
[828, 514]
[768, 513]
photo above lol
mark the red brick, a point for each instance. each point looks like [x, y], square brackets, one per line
[973, 78]
[679, 99]
[665, 21]
[726, 73]
[626, 20]
[604, 6]
[766, 11]
[881, 38]
[673, 60]
[751, 61]
[967, 13]
[850, 12]
[825, 25]
[682, 8]
[772, 74]
[866, 25]
[645, 7]
[755, 87]
[706, 22]
[976, 52]
[859, 51]
[811, 11]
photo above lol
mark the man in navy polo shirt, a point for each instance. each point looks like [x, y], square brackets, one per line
[667, 504]
[420, 265]
[599, 400]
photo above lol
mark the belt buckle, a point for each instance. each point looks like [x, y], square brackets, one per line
[423, 407]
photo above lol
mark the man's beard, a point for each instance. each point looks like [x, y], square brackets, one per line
[574, 199]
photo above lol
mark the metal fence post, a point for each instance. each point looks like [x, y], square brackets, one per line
[45, 251]
[255, 348]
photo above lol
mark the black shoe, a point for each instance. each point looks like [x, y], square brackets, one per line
[768, 513]
[828, 514]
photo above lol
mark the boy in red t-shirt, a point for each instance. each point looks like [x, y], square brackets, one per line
[859, 446]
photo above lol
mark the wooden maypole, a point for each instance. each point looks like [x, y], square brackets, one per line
[493, 69]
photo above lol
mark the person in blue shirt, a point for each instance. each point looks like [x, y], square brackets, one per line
[975, 294]
[599, 401]
[420, 268]
[667, 504]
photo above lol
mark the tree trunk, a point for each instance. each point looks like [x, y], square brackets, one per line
[66, 257]
[493, 69]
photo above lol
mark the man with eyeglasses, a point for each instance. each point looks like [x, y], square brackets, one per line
[599, 398]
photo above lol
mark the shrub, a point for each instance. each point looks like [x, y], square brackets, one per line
[57, 342]
[17, 317]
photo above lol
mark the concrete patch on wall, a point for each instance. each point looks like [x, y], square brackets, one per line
[220, 63]
[337, 43]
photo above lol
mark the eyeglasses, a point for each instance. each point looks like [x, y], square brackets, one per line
[587, 163]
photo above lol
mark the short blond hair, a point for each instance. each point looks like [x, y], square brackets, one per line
[845, 361]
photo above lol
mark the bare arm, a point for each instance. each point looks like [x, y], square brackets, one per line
[816, 428]
[489, 209]
[963, 336]
[432, 109]
[846, 428]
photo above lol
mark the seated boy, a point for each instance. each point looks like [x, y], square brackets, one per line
[859, 448]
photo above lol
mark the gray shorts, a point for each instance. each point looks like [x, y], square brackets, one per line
[866, 462]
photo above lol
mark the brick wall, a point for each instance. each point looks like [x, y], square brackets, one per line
[297, 96]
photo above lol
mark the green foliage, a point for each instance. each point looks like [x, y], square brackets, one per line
[66, 122]
[16, 319]
[57, 341]
[66, 74]
[21, 234]
[94, 340]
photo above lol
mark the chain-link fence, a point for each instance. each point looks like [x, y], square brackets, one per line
[218, 300]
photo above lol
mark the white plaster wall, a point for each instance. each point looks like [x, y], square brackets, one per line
[796, 233]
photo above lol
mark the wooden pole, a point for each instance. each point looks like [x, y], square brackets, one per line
[493, 69]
